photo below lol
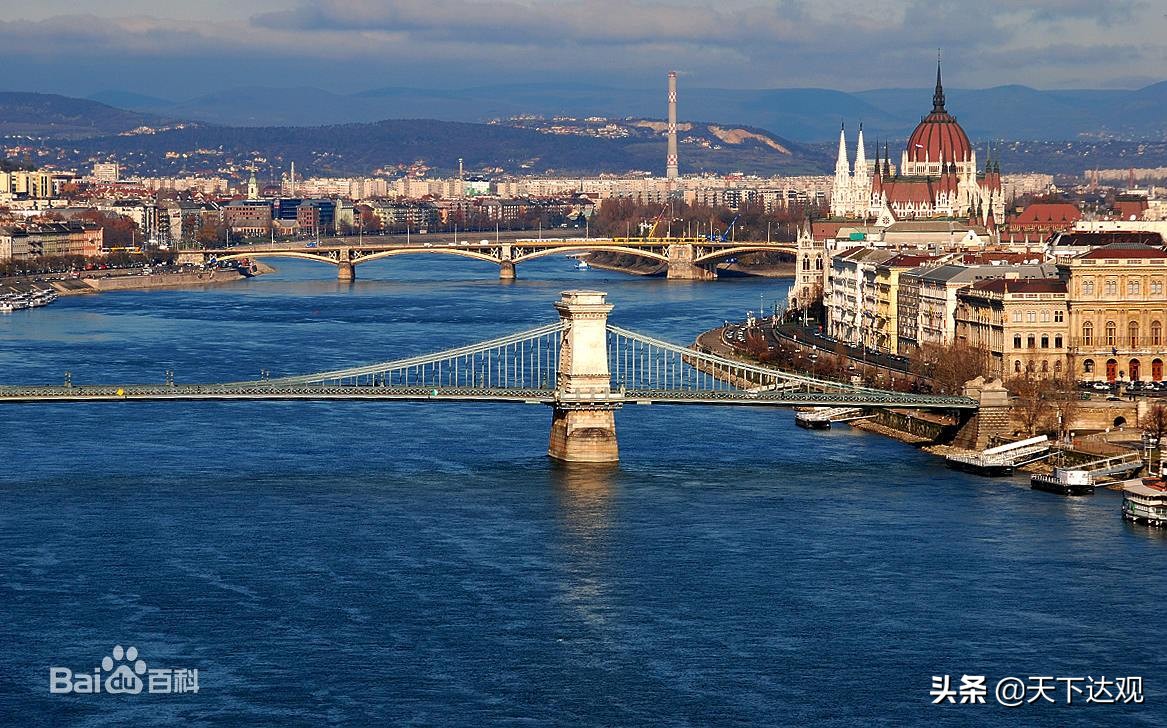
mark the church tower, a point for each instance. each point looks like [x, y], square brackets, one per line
[861, 180]
[253, 186]
[841, 189]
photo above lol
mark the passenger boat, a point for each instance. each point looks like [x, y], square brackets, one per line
[813, 419]
[1064, 481]
[1144, 500]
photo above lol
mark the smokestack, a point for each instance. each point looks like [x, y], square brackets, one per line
[671, 162]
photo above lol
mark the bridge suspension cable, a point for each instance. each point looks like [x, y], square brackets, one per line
[526, 360]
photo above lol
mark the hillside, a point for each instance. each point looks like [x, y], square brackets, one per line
[801, 114]
[62, 117]
[353, 149]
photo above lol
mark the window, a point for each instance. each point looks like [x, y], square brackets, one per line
[1017, 341]
[1088, 366]
[1088, 333]
[1111, 287]
[1045, 317]
[1044, 366]
[1156, 333]
[1058, 341]
[1111, 333]
[1059, 316]
[1132, 333]
[1132, 288]
[1045, 341]
[1016, 317]
[1088, 287]
[1058, 366]
[1031, 316]
[1017, 366]
[1031, 341]
[1156, 287]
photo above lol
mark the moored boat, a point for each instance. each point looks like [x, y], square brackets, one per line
[1144, 500]
[1064, 481]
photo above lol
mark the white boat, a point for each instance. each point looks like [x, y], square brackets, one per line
[1144, 500]
[6, 307]
[581, 265]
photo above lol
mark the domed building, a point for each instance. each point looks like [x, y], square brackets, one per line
[937, 176]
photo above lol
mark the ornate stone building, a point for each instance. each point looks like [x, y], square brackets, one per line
[1021, 323]
[937, 176]
[1117, 311]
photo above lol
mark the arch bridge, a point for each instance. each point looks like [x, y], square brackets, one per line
[581, 366]
[684, 258]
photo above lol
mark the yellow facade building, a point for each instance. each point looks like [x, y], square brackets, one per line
[1117, 309]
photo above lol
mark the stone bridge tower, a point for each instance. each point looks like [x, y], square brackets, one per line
[583, 424]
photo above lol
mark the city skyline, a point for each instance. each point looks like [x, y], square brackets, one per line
[174, 50]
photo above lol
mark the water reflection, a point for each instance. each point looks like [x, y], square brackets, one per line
[584, 495]
[584, 492]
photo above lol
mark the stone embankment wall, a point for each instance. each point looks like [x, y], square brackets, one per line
[163, 280]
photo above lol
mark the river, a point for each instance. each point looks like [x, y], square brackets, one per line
[426, 564]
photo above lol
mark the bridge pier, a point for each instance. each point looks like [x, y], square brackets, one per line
[583, 421]
[345, 271]
[682, 267]
[506, 270]
[991, 418]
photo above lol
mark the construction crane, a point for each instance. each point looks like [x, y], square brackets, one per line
[724, 237]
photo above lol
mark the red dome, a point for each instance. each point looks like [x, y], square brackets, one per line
[938, 137]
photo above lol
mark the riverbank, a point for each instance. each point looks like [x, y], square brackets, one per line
[130, 279]
[634, 265]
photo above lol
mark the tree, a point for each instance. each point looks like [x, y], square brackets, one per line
[120, 231]
[1067, 404]
[1031, 396]
[949, 366]
[1156, 421]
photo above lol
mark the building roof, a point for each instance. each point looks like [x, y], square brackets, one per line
[1020, 285]
[1049, 212]
[953, 273]
[1124, 250]
[938, 136]
[907, 260]
[934, 226]
[1082, 239]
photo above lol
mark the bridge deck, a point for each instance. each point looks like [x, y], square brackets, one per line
[262, 391]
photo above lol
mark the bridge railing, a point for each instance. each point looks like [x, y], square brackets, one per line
[524, 360]
[645, 364]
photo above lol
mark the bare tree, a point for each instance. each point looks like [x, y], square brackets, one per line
[1031, 400]
[1156, 421]
[1067, 404]
[949, 366]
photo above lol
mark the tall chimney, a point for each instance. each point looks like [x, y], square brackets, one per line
[671, 162]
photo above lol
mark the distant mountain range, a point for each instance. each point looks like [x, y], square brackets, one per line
[804, 115]
[540, 141]
[63, 117]
[385, 146]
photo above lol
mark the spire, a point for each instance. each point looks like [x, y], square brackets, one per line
[860, 155]
[938, 97]
[842, 164]
[886, 160]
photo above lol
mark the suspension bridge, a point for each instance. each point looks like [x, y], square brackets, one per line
[581, 366]
[684, 258]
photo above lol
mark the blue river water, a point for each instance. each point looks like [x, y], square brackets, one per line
[426, 564]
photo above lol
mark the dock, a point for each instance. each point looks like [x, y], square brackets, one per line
[821, 418]
[1002, 459]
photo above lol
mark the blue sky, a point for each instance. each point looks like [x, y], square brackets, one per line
[182, 49]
